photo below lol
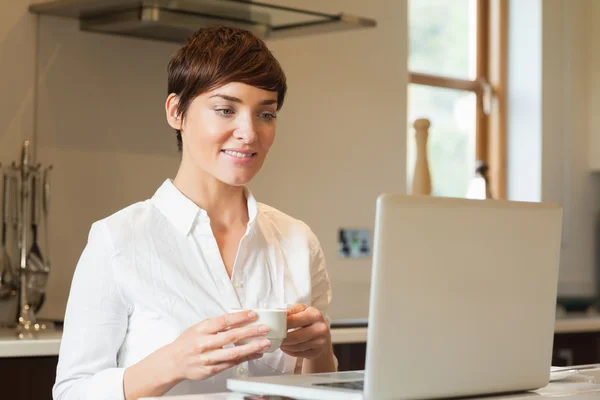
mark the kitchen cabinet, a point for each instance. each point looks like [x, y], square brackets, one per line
[28, 378]
[33, 377]
[576, 349]
[570, 348]
[576, 342]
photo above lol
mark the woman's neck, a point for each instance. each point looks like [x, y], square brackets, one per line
[226, 205]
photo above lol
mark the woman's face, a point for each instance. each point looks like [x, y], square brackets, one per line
[227, 132]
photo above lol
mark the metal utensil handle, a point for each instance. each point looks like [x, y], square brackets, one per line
[45, 191]
[40, 196]
[25, 217]
[34, 183]
[15, 199]
[5, 203]
[46, 209]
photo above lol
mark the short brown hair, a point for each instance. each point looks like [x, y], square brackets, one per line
[216, 56]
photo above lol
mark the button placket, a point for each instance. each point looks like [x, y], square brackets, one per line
[237, 278]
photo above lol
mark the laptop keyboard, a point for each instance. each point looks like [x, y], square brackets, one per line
[352, 385]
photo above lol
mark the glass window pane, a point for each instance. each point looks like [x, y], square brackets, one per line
[451, 142]
[443, 37]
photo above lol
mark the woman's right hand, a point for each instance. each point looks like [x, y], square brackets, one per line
[196, 354]
[199, 354]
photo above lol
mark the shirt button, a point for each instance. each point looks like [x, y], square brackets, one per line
[242, 371]
[237, 285]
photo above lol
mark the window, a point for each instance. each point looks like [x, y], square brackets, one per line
[457, 77]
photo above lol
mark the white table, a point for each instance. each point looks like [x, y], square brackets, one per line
[554, 391]
[583, 386]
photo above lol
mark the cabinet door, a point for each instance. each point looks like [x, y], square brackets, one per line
[28, 377]
[351, 356]
[576, 349]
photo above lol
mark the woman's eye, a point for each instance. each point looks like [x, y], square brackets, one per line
[268, 116]
[224, 111]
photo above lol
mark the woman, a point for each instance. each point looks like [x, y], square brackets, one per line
[148, 308]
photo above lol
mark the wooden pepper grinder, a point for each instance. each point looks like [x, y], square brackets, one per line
[421, 184]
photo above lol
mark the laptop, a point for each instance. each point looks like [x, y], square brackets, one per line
[462, 303]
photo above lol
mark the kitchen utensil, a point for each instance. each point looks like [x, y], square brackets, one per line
[8, 275]
[46, 211]
[6, 268]
[27, 321]
[14, 213]
[35, 261]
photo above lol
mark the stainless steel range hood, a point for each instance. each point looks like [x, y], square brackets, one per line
[175, 20]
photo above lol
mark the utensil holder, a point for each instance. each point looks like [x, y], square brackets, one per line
[26, 191]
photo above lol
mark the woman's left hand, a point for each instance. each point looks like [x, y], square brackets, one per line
[312, 339]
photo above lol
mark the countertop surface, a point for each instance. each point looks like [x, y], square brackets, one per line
[48, 343]
[581, 386]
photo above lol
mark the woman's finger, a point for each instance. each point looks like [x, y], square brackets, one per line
[224, 322]
[234, 354]
[311, 344]
[234, 335]
[218, 368]
[305, 334]
[309, 354]
[296, 308]
[304, 318]
[299, 336]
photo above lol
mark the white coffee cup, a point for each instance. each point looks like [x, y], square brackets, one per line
[275, 319]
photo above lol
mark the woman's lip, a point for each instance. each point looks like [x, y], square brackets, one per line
[251, 153]
[245, 151]
[240, 160]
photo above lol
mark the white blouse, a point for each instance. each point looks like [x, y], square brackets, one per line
[154, 269]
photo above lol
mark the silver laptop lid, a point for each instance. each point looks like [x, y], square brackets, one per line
[463, 296]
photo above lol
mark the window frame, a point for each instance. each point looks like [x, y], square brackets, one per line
[489, 86]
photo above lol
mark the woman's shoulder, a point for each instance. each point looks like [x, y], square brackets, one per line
[123, 224]
[285, 224]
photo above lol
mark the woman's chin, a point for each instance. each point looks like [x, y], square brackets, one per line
[237, 180]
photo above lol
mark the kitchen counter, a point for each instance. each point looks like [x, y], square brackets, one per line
[48, 343]
[578, 323]
[569, 324]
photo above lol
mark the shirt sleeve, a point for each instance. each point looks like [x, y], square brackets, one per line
[321, 292]
[94, 328]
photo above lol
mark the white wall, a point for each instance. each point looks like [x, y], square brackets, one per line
[594, 94]
[548, 125]
[342, 134]
[16, 78]
[341, 137]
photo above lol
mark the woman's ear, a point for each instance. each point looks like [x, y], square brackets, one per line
[171, 107]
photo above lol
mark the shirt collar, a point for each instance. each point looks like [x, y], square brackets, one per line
[183, 212]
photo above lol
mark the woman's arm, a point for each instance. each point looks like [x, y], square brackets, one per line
[96, 324]
[324, 363]
[321, 295]
[94, 329]
[312, 339]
